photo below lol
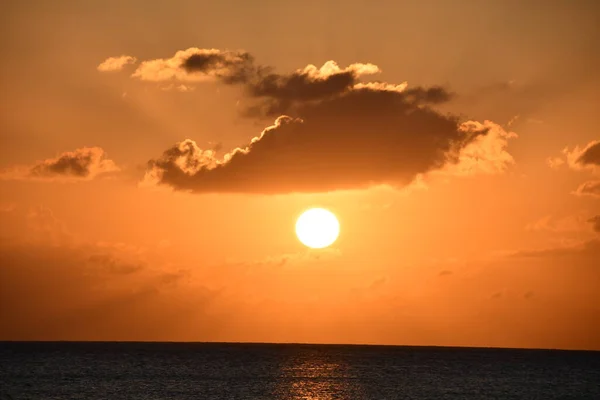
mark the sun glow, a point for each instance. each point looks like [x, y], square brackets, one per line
[317, 228]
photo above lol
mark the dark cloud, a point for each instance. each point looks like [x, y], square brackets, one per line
[432, 95]
[360, 138]
[282, 91]
[332, 131]
[277, 93]
[230, 67]
[297, 101]
[239, 67]
[195, 65]
[307, 84]
[301, 86]
[81, 164]
[77, 164]
[579, 158]
[590, 155]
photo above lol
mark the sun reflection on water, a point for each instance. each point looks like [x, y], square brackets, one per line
[316, 375]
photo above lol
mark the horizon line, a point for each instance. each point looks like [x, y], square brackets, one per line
[300, 344]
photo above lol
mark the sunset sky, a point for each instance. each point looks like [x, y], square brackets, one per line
[155, 156]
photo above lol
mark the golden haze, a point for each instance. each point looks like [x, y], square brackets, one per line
[154, 157]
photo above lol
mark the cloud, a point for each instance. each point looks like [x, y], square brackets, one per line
[82, 164]
[555, 162]
[332, 131]
[197, 65]
[238, 67]
[579, 158]
[381, 86]
[485, 154]
[595, 221]
[588, 156]
[179, 88]
[278, 92]
[359, 139]
[589, 188]
[115, 63]
[310, 83]
[339, 146]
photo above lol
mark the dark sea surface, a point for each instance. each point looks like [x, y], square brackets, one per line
[70, 370]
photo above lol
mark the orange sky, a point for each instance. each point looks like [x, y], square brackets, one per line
[457, 142]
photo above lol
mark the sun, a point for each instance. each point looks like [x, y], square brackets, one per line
[317, 228]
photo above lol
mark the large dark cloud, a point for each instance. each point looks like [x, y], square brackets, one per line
[332, 131]
[361, 138]
[81, 164]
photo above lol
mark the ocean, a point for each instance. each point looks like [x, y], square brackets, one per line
[110, 371]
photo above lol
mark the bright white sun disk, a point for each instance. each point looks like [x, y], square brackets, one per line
[317, 228]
